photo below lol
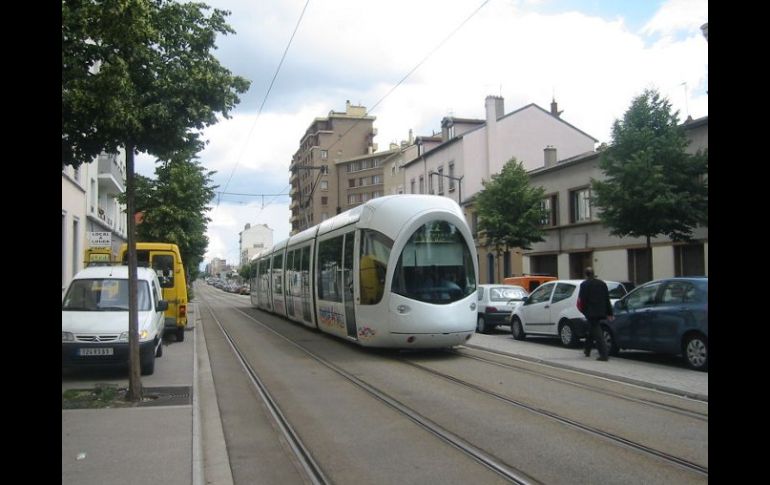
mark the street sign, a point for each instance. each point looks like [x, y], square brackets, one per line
[100, 239]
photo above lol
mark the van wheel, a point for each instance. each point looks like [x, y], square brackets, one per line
[180, 334]
[148, 365]
[159, 352]
[567, 335]
[517, 330]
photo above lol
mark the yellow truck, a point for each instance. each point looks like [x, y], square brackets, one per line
[166, 260]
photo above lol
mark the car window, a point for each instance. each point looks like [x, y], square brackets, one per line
[481, 293]
[563, 291]
[616, 290]
[643, 296]
[679, 292]
[541, 294]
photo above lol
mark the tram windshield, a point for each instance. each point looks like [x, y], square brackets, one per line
[435, 266]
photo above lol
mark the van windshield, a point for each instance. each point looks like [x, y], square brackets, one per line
[104, 295]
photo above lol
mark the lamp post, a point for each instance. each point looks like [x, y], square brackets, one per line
[459, 185]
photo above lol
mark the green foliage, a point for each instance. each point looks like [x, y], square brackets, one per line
[139, 74]
[509, 209]
[175, 204]
[244, 272]
[651, 185]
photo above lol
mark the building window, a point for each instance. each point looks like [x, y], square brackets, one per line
[376, 194]
[441, 180]
[451, 174]
[689, 260]
[324, 185]
[451, 132]
[93, 195]
[578, 262]
[411, 186]
[548, 207]
[376, 179]
[580, 205]
[544, 265]
[507, 264]
[422, 185]
[639, 265]
[490, 268]
[475, 224]
[351, 183]
[324, 154]
[324, 200]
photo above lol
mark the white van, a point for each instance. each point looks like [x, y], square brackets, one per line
[94, 318]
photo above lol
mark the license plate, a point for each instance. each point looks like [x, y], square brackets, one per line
[98, 351]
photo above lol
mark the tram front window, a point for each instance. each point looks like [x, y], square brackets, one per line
[435, 266]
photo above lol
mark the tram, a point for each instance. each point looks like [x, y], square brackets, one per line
[397, 271]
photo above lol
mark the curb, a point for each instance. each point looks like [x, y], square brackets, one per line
[213, 462]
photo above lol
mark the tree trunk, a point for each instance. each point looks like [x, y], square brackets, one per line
[134, 379]
[649, 259]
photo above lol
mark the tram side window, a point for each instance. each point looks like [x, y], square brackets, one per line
[375, 252]
[278, 273]
[330, 269]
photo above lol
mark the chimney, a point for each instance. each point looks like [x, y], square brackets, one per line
[555, 109]
[411, 137]
[495, 108]
[550, 156]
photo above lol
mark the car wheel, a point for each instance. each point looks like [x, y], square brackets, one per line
[696, 352]
[609, 340]
[517, 329]
[159, 352]
[148, 365]
[481, 325]
[180, 334]
[567, 335]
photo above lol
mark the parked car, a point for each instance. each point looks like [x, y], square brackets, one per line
[495, 304]
[529, 282]
[94, 318]
[667, 316]
[551, 310]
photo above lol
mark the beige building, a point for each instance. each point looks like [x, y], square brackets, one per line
[361, 178]
[575, 237]
[254, 239]
[89, 205]
[315, 192]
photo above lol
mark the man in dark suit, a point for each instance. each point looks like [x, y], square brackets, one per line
[594, 303]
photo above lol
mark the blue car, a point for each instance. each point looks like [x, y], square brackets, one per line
[666, 316]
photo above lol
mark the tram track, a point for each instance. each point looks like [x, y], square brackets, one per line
[522, 368]
[494, 463]
[689, 465]
[311, 469]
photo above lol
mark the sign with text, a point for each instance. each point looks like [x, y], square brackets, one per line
[100, 239]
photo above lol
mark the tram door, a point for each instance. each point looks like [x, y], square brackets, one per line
[347, 284]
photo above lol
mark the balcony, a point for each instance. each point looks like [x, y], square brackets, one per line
[111, 179]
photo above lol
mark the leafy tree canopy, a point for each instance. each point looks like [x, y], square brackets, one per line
[651, 186]
[510, 213]
[174, 207]
[139, 74]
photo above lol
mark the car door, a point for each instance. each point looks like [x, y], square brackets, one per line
[560, 301]
[672, 315]
[536, 310]
[633, 325]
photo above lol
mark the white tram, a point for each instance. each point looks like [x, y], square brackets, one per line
[397, 271]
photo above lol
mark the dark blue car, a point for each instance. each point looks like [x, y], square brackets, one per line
[667, 316]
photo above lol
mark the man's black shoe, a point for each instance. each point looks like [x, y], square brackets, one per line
[603, 359]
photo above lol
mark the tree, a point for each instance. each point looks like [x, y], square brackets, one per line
[651, 185]
[139, 74]
[509, 208]
[174, 206]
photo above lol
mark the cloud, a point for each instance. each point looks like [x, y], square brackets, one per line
[527, 51]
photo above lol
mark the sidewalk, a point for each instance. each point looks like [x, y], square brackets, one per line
[162, 441]
[159, 441]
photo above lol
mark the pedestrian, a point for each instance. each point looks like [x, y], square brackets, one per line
[594, 303]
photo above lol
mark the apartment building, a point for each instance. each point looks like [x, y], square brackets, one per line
[360, 179]
[314, 178]
[575, 237]
[472, 150]
[89, 205]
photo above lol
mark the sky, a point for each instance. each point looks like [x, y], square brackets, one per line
[411, 63]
